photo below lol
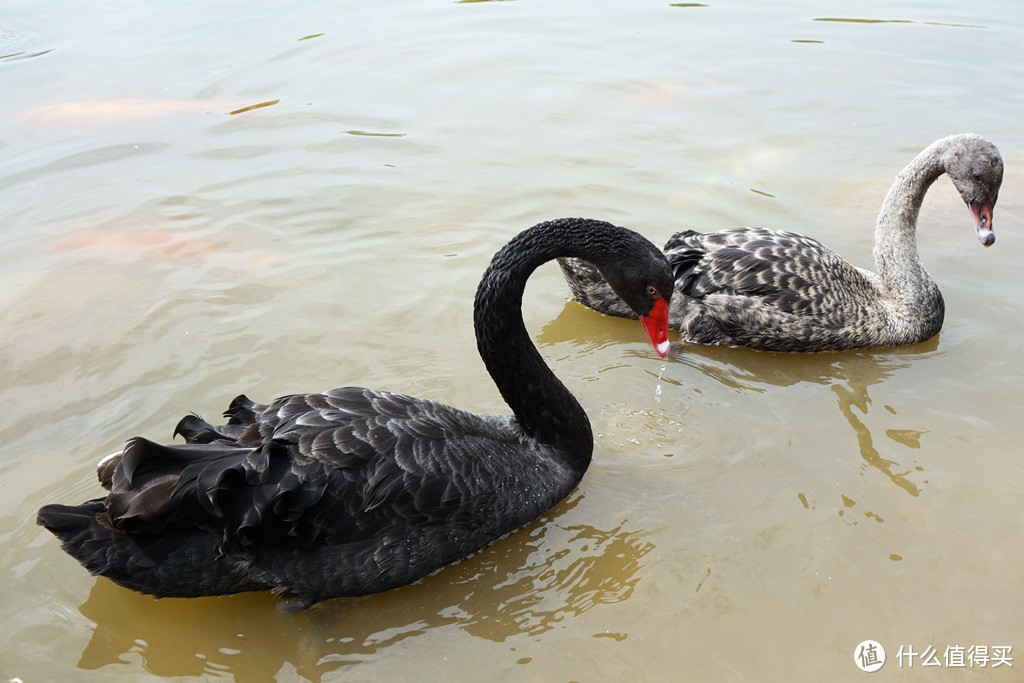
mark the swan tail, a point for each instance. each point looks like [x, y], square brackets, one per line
[179, 563]
[242, 498]
[161, 529]
[82, 535]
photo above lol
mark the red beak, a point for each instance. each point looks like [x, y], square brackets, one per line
[656, 324]
[982, 215]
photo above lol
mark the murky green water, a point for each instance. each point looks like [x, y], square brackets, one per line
[169, 244]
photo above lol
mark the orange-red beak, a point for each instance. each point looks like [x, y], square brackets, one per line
[982, 215]
[656, 324]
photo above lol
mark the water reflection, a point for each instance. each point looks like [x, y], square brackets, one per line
[527, 584]
[849, 374]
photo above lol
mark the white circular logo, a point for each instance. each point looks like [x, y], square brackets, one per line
[869, 656]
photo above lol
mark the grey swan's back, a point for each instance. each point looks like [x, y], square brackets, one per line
[780, 291]
[356, 491]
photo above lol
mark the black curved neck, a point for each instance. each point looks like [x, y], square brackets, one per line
[546, 410]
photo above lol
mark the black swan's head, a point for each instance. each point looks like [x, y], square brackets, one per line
[641, 276]
[976, 169]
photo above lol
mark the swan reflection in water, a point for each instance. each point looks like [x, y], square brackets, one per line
[849, 374]
[527, 584]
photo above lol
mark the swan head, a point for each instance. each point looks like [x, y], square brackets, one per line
[976, 169]
[643, 279]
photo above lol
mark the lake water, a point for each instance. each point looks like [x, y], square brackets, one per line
[206, 198]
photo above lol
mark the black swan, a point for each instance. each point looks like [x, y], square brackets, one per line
[780, 291]
[356, 491]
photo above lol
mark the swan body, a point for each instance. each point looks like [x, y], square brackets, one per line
[355, 491]
[781, 291]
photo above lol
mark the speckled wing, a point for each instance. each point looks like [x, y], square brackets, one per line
[768, 289]
[790, 272]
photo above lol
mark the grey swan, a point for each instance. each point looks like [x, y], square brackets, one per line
[355, 491]
[780, 291]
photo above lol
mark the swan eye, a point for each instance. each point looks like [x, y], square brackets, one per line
[651, 290]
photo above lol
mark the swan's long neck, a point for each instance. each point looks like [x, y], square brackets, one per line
[546, 410]
[895, 248]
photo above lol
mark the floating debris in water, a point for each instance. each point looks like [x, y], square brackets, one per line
[368, 134]
[258, 105]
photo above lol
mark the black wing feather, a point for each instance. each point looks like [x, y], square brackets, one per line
[302, 495]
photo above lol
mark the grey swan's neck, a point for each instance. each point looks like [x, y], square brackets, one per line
[545, 409]
[895, 243]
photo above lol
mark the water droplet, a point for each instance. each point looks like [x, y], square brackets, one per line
[657, 387]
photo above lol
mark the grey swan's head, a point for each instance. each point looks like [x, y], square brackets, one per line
[976, 169]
